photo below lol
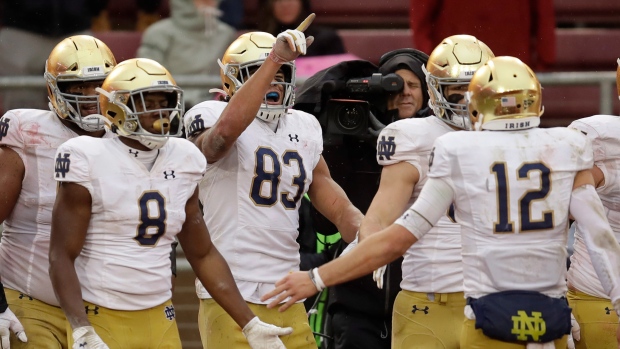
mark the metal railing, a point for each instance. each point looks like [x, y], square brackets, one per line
[604, 80]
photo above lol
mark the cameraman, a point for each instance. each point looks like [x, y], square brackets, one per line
[360, 312]
[412, 101]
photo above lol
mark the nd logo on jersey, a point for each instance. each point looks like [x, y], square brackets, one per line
[386, 148]
[533, 326]
[4, 127]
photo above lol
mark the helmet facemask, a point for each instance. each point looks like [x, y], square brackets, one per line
[80, 59]
[141, 100]
[451, 65]
[243, 57]
[139, 113]
[71, 105]
[239, 74]
[450, 108]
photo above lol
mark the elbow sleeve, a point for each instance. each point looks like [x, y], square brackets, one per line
[604, 250]
[431, 205]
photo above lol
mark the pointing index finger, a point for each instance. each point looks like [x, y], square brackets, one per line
[306, 23]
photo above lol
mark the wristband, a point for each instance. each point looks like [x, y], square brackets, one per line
[314, 281]
[317, 278]
[274, 57]
[3, 304]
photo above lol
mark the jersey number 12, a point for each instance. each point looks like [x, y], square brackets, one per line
[504, 224]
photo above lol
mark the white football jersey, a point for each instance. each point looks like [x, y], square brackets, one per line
[24, 263]
[136, 213]
[604, 132]
[252, 195]
[512, 194]
[434, 263]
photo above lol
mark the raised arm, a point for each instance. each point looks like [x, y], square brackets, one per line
[242, 108]
[217, 141]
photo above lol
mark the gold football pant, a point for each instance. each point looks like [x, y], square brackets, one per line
[45, 325]
[597, 319]
[472, 338]
[219, 331]
[153, 328]
[421, 323]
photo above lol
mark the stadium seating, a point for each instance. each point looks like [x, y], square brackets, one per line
[393, 14]
[590, 13]
[590, 49]
[348, 13]
[123, 13]
[124, 44]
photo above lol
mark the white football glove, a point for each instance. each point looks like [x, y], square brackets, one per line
[261, 335]
[85, 337]
[296, 40]
[575, 332]
[8, 323]
[289, 45]
[350, 246]
[377, 275]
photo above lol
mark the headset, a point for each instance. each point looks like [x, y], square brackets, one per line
[417, 54]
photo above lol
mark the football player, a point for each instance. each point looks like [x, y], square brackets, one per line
[263, 157]
[432, 282]
[513, 186]
[28, 142]
[120, 204]
[591, 305]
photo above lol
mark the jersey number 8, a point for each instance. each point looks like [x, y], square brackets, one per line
[149, 221]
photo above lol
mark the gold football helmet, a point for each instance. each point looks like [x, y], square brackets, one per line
[453, 63]
[242, 58]
[80, 58]
[504, 94]
[125, 99]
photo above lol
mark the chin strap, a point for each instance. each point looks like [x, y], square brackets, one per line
[218, 90]
[478, 124]
[93, 122]
[224, 68]
[111, 96]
